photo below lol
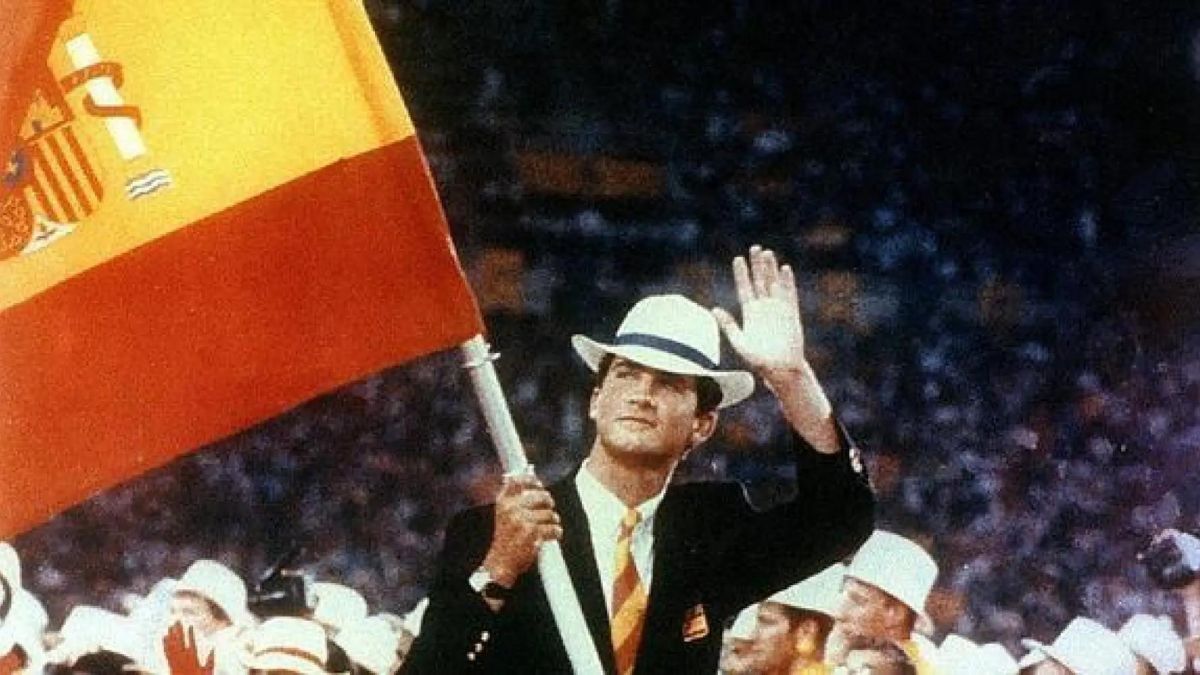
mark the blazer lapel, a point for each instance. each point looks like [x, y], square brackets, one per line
[664, 623]
[581, 563]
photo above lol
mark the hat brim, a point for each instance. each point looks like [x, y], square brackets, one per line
[736, 385]
[279, 661]
[1036, 653]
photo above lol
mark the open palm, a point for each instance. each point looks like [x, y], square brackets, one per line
[771, 336]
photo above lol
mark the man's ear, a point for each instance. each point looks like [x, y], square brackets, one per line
[592, 403]
[897, 615]
[703, 427]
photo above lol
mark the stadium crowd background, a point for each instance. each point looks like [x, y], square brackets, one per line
[993, 208]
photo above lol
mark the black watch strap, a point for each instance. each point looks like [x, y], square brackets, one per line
[494, 591]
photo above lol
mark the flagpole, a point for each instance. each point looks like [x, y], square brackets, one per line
[564, 604]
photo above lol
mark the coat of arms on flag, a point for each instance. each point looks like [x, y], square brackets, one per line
[54, 177]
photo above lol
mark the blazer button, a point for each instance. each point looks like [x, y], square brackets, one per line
[470, 656]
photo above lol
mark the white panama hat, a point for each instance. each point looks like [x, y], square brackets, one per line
[956, 656]
[1154, 638]
[89, 629]
[744, 624]
[370, 643]
[1086, 648]
[675, 335]
[960, 656]
[24, 626]
[415, 617]
[288, 643]
[819, 593]
[897, 566]
[219, 584]
[337, 605]
[994, 659]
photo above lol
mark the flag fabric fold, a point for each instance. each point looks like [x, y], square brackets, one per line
[211, 212]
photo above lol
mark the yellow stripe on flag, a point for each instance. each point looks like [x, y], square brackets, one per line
[233, 98]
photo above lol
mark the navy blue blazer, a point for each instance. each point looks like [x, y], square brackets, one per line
[713, 555]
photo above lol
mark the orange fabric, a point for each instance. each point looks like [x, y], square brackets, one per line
[212, 212]
[210, 329]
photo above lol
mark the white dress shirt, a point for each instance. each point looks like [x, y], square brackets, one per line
[604, 512]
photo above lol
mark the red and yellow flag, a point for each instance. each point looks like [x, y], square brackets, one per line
[210, 212]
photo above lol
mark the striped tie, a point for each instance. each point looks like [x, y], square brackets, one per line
[628, 600]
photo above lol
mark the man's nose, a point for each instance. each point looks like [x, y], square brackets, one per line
[640, 388]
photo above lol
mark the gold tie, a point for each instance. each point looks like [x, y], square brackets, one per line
[628, 600]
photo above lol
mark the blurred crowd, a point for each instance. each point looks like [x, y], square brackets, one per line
[870, 615]
[982, 221]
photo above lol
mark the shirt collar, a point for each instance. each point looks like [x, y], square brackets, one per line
[604, 509]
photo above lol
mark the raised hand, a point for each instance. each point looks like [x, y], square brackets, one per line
[771, 337]
[771, 341]
[183, 658]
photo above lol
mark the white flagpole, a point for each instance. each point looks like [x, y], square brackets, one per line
[564, 604]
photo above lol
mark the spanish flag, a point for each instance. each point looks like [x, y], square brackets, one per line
[210, 212]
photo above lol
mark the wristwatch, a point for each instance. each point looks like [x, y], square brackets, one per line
[481, 580]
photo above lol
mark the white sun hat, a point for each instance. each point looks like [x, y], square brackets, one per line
[219, 584]
[994, 659]
[288, 643]
[675, 335]
[89, 629]
[24, 626]
[370, 643]
[744, 624]
[819, 593]
[897, 566]
[10, 565]
[415, 617]
[10, 578]
[1086, 648]
[956, 656]
[1154, 638]
[337, 605]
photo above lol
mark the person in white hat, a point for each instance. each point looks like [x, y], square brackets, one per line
[1154, 642]
[90, 630]
[21, 635]
[370, 645]
[1084, 647]
[794, 624]
[210, 600]
[884, 593]
[287, 645]
[737, 644]
[958, 655]
[337, 605]
[657, 567]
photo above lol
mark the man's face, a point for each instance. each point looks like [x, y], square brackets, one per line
[194, 611]
[647, 414]
[865, 610]
[774, 640]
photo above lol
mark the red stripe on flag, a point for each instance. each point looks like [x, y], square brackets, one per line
[60, 210]
[84, 165]
[227, 322]
[65, 170]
